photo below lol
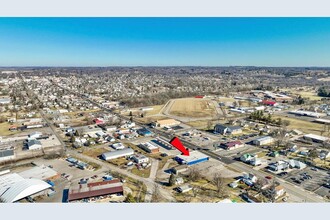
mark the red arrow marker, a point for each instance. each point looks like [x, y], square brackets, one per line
[178, 145]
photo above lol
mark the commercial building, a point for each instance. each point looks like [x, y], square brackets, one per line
[316, 138]
[166, 122]
[180, 169]
[40, 172]
[94, 190]
[6, 153]
[118, 146]
[193, 158]
[34, 145]
[117, 154]
[149, 147]
[35, 135]
[297, 164]
[279, 165]
[263, 140]
[232, 145]
[163, 143]
[144, 132]
[270, 103]
[14, 187]
[223, 129]
[139, 158]
[307, 113]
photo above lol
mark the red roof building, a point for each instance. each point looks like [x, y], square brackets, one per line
[98, 121]
[267, 102]
[233, 145]
[91, 190]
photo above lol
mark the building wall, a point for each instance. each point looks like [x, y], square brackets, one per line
[35, 147]
[7, 158]
[198, 161]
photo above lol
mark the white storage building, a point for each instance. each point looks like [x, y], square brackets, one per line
[263, 140]
[13, 187]
[34, 145]
[117, 154]
[140, 158]
[7, 153]
[118, 146]
[316, 138]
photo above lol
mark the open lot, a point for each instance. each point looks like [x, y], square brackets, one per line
[155, 111]
[211, 167]
[302, 125]
[4, 129]
[192, 107]
[308, 94]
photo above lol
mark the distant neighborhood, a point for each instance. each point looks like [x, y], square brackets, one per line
[89, 135]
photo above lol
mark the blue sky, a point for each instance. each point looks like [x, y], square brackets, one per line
[164, 41]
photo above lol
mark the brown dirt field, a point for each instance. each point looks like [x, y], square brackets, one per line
[192, 107]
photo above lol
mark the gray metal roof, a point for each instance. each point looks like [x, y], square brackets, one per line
[118, 153]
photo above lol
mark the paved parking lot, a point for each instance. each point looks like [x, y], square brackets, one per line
[238, 151]
[62, 166]
[315, 184]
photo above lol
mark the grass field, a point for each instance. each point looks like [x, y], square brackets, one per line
[202, 124]
[305, 126]
[305, 94]
[192, 107]
[150, 119]
[94, 152]
[4, 129]
[155, 111]
[143, 172]
[310, 95]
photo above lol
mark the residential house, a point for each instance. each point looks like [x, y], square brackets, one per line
[246, 158]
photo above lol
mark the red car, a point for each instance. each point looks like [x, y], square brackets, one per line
[268, 177]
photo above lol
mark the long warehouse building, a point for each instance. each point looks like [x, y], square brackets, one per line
[193, 158]
[14, 187]
[117, 154]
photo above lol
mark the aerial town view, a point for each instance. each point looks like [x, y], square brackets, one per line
[190, 130]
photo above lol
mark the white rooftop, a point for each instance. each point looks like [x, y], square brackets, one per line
[39, 172]
[193, 155]
[316, 137]
[150, 145]
[13, 187]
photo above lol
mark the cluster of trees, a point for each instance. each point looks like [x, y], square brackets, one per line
[260, 116]
[299, 100]
[324, 91]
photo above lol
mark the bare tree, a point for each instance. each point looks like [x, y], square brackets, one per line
[156, 195]
[219, 183]
[194, 174]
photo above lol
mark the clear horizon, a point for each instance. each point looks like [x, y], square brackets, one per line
[161, 42]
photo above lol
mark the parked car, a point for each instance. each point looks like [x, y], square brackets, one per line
[283, 174]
